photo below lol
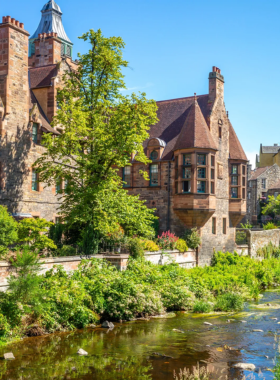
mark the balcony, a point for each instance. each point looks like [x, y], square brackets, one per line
[194, 210]
[237, 210]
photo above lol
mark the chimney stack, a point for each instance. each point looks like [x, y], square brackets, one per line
[216, 84]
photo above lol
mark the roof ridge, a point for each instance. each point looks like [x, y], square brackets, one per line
[186, 97]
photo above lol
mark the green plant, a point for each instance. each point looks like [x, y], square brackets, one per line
[246, 225]
[269, 226]
[56, 233]
[228, 302]
[268, 251]
[198, 373]
[192, 238]
[150, 246]
[8, 230]
[176, 297]
[181, 245]
[4, 326]
[201, 306]
[90, 241]
[240, 237]
[167, 240]
[65, 250]
[33, 232]
[136, 248]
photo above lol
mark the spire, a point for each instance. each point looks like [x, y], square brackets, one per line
[51, 22]
[195, 132]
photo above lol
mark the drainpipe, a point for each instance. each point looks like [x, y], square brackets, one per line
[168, 197]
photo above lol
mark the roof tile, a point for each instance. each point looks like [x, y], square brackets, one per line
[41, 76]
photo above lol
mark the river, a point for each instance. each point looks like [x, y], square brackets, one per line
[152, 350]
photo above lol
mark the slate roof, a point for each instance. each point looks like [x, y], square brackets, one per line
[41, 76]
[236, 151]
[257, 172]
[270, 149]
[45, 122]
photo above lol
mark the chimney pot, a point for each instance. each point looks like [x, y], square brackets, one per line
[21, 25]
[17, 23]
[3, 19]
[13, 21]
[8, 19]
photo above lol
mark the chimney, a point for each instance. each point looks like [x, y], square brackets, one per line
[275, 144]
[216, 84]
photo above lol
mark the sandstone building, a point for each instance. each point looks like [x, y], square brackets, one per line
[198, 170]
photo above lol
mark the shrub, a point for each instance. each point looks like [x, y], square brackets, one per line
[202, 307]
[56, 233]
[8, 230]
[150, 246]
[33, 233]
[240, 237]
[269, 226]
[176, 297]
[136, 248]
[246, 225]
[181, 245]
[268, 251]
[90, 241]
[4, 326]
[192, 238]
[65, 250]
[167, 240]
[228, 302]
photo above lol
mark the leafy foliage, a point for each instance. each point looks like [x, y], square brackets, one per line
[8, 230]
[229, 301]
[181, 245]
[272, 207]
[167, 240]
[240, 237]
[269, 226]
[268, 251]
[150, 246]
[102, 129]
[33, 231]
[192, 238]
[136, 248]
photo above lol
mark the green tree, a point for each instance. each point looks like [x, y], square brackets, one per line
[102, 130]
[272, 207]
[8, 230]
[33, 232]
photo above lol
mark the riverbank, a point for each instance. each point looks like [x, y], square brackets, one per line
[57, 301]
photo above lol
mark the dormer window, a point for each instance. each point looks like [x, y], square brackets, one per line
[154, 155]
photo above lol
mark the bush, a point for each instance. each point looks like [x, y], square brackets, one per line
[269, 226]
[167, 240]
[192, 238]
[56, 233]
[228, 302]
[150, 246]
[202, 307]
[176, 297]
[8, 230]
[4, 326]
[268, 251]
[65, 250]
[181, 245]
[136, 248]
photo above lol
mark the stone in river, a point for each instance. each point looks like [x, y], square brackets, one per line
[246, 366]
[81, 352]
[207, 323]
[257, 330]
[274, 319]
[9, 356]
[243, 321]
[180, 331]
[107, 325]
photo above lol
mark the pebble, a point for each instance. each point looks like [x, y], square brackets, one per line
[9, 356]
[257, 330]
[246, 366]
[274, 319]
[81, 352]
[107, 325]
[208, 323]
[243, 321]
[176, 330]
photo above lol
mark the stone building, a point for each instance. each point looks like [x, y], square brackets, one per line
[198, 170]
[28, 87]
[268, 156]
[261, 183]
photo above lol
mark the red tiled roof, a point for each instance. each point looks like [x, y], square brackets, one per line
[257, 172]
[41, 76]
[236, 151]
[195, 132]
[45, 123]
[172, 115]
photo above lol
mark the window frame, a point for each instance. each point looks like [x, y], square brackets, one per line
[35, 135]
[35, 182]
[152, 173]
[127, 182]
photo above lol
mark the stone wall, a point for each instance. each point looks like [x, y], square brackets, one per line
[259, 238]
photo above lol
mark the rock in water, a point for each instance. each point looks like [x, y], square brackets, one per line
[9, 356]
[207, 323]
[243, 321]
[180, 331]
[257, 330]
[107, 325]
[81, 352]
[246, 366]
[274, 319]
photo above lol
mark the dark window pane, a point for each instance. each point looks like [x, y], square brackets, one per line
[212, 188]
[234, 169]
[154, 155]
[187, 173]
[127, 176]
[35, 132]
[220, 132]
[201, 173]
[187, 159]
[243, 181]
[224, 226]
[234, 192]
[234, 180]
[186, 186]
[212, 173]
[201, 186]
[243, 170]
[34, 181]
[243, 193]
[201, 159]
[214, 226]
[212, 161]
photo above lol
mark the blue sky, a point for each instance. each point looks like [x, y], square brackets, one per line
[172, 45]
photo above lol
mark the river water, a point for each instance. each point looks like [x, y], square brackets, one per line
[152, 349]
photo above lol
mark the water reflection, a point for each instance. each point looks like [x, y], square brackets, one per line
[150, 350]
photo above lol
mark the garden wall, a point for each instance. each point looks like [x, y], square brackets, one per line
[69, 263]
[258, 238]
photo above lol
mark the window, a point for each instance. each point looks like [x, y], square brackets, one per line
[224, 226]
[58, 186]
[234, 169]
[250, 183]
[127, 176]
[35, 132]
[276, 195]
[35, 181]
[201, 186]
[220, 132]
[212, 161]
[187, 173]
[243, 181]
[212, 188]
[243, 170]
[154, 175]
[212, 173]
[154, 155]
[201, 159]
[66, 186]
[263, 183]
[234, 192]
[214, 226]
[249, 195]
[62, 49]
[201, 173]
[234, 180]
[187, 159]
[243, 193]
[68, 50]
[186, 186]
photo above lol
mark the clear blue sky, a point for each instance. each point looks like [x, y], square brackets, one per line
[172, 45]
